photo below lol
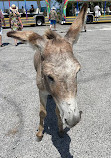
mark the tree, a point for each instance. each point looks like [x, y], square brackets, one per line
[50, 3]
[39, 5]
[60, 1]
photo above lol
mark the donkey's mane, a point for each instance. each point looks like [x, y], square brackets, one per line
[51, 35]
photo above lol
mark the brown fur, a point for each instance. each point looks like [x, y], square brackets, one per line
[73, 32]
[33, 37]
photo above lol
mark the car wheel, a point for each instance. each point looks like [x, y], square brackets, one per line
[39, 22]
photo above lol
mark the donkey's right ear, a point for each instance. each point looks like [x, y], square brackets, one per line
[31, 37]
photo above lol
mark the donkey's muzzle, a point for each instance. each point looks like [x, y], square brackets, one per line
[71, 122]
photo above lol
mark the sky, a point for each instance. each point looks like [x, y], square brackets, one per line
[28, 3]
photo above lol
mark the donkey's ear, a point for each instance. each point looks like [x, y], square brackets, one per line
[73, 32]
[31, 37]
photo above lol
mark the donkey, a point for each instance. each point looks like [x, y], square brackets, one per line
[56, 69]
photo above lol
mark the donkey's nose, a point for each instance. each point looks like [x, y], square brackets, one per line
[74, 120]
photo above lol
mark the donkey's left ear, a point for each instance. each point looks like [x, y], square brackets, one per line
[73, 32]
[31, 37]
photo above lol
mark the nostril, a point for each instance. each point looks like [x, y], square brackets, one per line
[65, 121]
[80, 112]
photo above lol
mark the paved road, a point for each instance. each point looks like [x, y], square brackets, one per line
[19, 100]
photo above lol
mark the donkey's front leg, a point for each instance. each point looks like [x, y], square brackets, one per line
[60, 124]
[42, 114]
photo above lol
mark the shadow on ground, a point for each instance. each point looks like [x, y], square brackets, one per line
[51, 127]
[5, 44]
[19, 43]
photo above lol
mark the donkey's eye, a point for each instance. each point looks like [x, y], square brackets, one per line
[50, 78]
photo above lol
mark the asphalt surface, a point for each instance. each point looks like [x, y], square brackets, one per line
[19, 100]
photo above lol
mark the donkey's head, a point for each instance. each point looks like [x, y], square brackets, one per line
[58, 66]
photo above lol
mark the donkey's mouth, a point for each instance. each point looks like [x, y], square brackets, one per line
[71, 123]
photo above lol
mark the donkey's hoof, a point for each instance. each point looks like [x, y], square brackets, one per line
[39, 138]
[61, 134]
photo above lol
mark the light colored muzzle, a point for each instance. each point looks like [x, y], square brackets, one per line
[69, 112]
